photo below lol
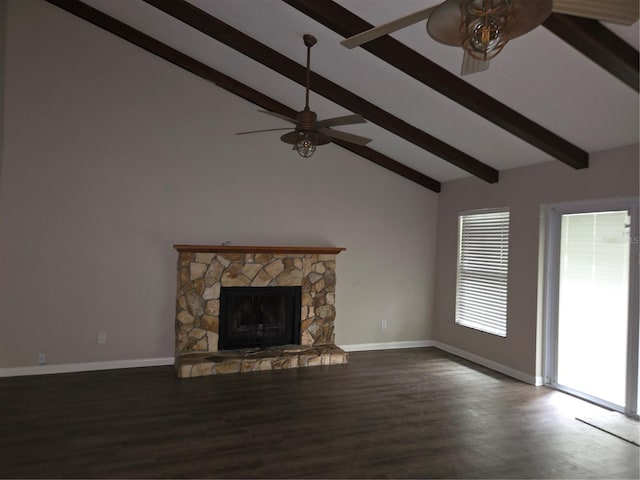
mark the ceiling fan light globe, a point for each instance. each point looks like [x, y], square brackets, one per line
[486, 35]
[485, 27]
[306, 144]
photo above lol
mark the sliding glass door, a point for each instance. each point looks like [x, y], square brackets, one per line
[592, 302]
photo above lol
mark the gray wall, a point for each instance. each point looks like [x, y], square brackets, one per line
[112, 155]
[612, 174]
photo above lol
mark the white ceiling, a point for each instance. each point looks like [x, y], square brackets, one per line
[538, 75]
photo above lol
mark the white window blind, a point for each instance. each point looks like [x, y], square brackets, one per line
[483, 260]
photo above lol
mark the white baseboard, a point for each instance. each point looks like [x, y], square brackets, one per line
[85, 367]
[485, 362]
[361, 347]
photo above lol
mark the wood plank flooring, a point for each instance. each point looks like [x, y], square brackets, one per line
[419, 413]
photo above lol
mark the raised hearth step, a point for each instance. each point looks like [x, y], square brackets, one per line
[249, 360]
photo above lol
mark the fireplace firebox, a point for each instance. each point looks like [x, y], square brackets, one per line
[259, 317]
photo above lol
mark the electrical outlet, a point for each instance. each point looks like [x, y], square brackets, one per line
[384, 324]
[102, 338]
[42, 359]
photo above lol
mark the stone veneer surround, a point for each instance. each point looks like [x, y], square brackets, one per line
[203, 270]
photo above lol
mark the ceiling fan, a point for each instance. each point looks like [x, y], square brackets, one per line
[483, 27]
[309, 132]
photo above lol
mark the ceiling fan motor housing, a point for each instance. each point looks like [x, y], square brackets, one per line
[306, 120]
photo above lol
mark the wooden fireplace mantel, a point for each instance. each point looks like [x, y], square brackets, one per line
[256, 249]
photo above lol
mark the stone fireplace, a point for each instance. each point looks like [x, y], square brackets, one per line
[244, 282]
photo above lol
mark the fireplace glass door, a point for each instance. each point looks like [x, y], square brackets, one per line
[259, 317]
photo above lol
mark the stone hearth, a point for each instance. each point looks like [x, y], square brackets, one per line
[203, 270]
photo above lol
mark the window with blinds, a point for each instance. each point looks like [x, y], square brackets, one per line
[483, 261]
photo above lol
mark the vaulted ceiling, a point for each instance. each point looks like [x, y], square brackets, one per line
[560, 92]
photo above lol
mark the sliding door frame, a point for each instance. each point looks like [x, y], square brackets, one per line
[552, 218]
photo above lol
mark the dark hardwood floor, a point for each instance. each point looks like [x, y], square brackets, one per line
[388, 414]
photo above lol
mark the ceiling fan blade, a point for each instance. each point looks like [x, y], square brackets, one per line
[265, 130]
[281, 117]
[387, 28]
[625, 12]
[347, 137]
[346, 120]
[470, 65]
[291, 138]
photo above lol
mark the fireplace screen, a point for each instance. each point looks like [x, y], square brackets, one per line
[259, 317]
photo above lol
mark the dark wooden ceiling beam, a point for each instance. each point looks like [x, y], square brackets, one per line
[205, 72]
[599, 44]
[220, 31]
[347, 24]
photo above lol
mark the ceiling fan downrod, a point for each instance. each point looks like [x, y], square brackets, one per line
[309, 41]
